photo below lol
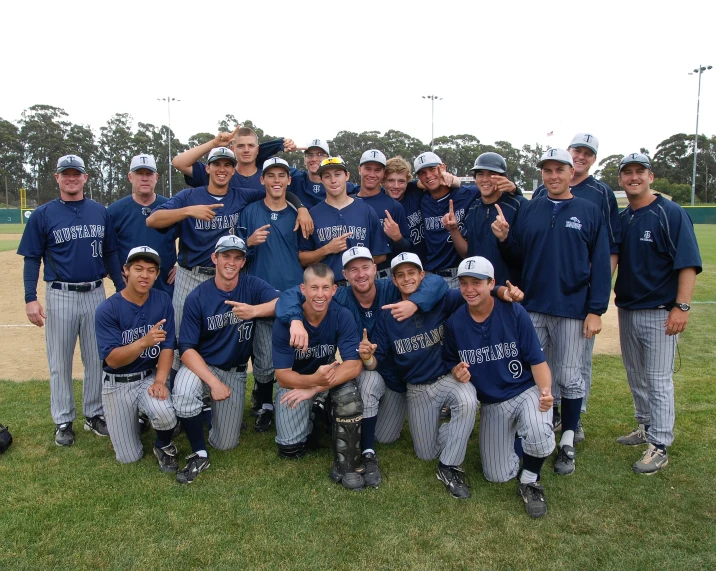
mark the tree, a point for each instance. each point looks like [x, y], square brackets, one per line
[80, 141]
[609, 171]
[530, 173]
[11, 158]
[458, 152]
[678, 192]
[115, 154]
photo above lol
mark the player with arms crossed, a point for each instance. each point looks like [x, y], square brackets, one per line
[658, 262]
[565, 300]
[74, 239]
[494, 345]
[304, 373]
[135, 339]
[215, 345]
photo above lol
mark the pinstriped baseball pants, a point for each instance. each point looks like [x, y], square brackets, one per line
[184, 283]
[389, 406]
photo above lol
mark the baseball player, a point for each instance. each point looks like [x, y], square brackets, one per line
[135, 339]
[75, 240]
[489, 171]
[249, 154]
[658, 262]
[583, 148]
[215, 345]
[268, 228]
[341, 222]
[307, 184]
[494, 345]
[384, 404]
[303, 374]
[413, 347]
[565, 300]
[129, 216]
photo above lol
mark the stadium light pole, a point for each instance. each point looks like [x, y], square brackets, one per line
[432, 121]
[700, 70]
[169, 136]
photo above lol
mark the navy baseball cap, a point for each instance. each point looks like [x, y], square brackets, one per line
[71, 162]
[426, 160]
[638, 158]
[476, 267]
[143, 162]
[332, 163]
[585, 140]
[373, 156]
[222, 153]
[559, 155]
[275, 162]
[143, 252]
[230, 242]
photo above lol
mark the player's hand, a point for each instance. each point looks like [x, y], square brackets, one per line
[225, 139]
[220, 392]
[288, 145]
[366, 348]
[512, 293]
[299, 335]
[242, 310]
[325, 376]
[391, 228]
[158, 391]
[502, 183]
[295, 396]
[592, 325]
[259, 236]
[461, 372]
[338, 244]
[172, 275]
[449, 220]
[546, 400]
[155, 335]
[500, 227]
[447, 179]
[204, 211]
[35, 313]
[675, 322]
[304, 222]
[401, 310]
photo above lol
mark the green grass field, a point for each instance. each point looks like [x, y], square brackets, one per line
[77, 508]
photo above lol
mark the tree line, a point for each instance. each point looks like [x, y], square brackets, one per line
[29, 150]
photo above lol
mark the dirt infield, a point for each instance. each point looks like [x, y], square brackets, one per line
[24, 358]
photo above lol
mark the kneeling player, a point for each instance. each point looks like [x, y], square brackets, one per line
[493, 345]
[135, 338]
[302, 375]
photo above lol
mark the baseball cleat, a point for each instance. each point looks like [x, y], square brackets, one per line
[372, 475]
[98, 425]
[579, 433]
[455, 481]
[167, 458]
[351, 481]
[564, 466]
[264, 420]
[533, 496]
[653, 460]
[144, 423]
[195, 465]
[634, 438]
[64, 436]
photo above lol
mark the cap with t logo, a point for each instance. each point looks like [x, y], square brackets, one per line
[317, 143]
[426, 160]
[221, 153]
[585, 140]
[70, 162]
[559, 155]
[143, 252]
[405, 258]
[638, 158]
[373, 156]
[275, 162]
[476, 267]
[143, 162]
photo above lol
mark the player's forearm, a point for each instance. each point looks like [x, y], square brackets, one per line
[267, 309]
[380, 259]
[312, 256]
[687, 282]
[542, 376]
[198, 366]
[184, 162]
[613, 261]
[164, 365]
[126, 354]
[430, 291]
[30, 275]
[347, 371]
[459, 242]
[290, 379]
[114, 269]
[164, 218]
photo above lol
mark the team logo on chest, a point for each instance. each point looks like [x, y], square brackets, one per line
[574, 222]
[146, 211]
[316, 188]
[368, 314]
[274, 216]
[647, 236]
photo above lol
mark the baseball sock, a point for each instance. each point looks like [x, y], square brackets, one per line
[570, 413]
[518, 446]
[264, 394]
[531, 467]
[194, 430]
[164, 438]
[367, 432]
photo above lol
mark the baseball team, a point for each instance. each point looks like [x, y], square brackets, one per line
[409, 295]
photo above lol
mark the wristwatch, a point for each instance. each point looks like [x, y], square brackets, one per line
[683, 306]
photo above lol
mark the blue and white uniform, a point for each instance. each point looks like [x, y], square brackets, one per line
[76, 242]
[658, 241]
[312, 193]
[411, 205]
[130, 224]
[500, 352]
[224, 342]
[119, 322]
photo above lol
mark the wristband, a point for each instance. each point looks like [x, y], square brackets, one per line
[369, 362]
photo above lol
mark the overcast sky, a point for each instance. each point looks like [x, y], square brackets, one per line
[506, 70]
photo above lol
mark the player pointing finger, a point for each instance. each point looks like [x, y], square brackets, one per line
[401, 310]
[449, 220]
[366, 348]
[513, 293]
[155, 335]
[391, 228]
[338, 244]
[205, 211]
[259, 236]
[500, 227]
[242, 310]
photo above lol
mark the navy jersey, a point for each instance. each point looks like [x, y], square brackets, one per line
[329, 223]
[500, 351]
[197, 238]
[119, 322]
[276, 260]
[199, 176]
[380, 203]
[72, 239]
[482, 242]
[411, 205]
[440, 252]
[415, 345]
[564, 250]
[311, 193]
[130, 223]
[336, 331]
[602, 195]
[210, 327]
[658, 240]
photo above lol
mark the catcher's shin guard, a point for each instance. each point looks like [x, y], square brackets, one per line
[347, 408]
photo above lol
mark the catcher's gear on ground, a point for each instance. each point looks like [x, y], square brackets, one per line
[5, 438]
